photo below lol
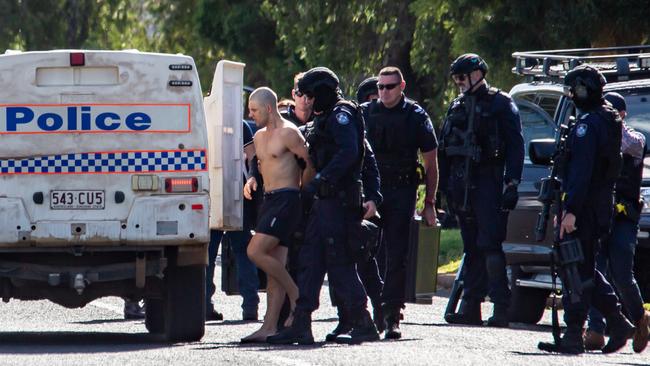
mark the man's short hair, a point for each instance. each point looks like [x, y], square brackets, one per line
[264, 96]
[392, 70]
[296, 78]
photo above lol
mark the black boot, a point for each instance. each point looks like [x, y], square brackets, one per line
[469, 313]
[299, 331]
[392, 318]
[620, 330]
[571, 343]
[363, 330]
[378, 317]
[499, 316]
[344, 326]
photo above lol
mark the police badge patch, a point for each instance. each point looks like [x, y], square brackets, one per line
[581, 130]
[342, 118]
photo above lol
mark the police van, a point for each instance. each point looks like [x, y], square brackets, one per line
[106, 179]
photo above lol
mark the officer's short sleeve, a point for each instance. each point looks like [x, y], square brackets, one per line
[426, 136]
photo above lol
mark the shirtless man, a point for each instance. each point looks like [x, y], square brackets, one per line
[278, 145]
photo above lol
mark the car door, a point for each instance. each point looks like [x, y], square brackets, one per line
[520, 244]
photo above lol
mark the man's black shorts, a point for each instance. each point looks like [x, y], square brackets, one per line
[279, 214]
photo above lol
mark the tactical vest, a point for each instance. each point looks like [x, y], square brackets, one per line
[394, 141]
[628, 188]
[486, 128]
[322, 146]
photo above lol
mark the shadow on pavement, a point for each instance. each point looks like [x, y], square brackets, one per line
[78, 342]
[259, 346]
[105, 321]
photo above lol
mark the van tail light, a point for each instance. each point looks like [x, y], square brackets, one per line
[77, 59]
[181, 185]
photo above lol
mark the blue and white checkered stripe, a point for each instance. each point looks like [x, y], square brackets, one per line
[109, 162]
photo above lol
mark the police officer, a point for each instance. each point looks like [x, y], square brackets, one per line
[617, 253]
[336, 148]
[366, 263]
[367, 90]
[301, 111]
[481, 161]
[592, 166]
[397, 128]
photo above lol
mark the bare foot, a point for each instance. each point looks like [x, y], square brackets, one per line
[289, 321]
[259, 336]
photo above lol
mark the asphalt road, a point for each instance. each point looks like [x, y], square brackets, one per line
[42, 333]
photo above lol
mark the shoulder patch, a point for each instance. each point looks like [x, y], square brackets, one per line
[581, 130]
[419, 109]
[342, 118]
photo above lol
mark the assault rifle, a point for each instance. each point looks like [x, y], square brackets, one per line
[567, 252]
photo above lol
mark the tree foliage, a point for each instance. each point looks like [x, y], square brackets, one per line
[278, 38]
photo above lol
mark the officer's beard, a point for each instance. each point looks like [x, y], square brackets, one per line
[324, 99]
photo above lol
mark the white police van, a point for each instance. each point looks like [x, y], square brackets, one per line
[104, 179]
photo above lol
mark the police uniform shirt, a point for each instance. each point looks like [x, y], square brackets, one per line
[425, 136]
[343, 127]
[586, 139]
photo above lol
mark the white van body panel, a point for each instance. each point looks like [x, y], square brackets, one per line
[82, 130]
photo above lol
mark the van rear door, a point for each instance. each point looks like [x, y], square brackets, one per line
[224, 111]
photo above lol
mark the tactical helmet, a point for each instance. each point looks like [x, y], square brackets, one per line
[367, 88]
[467, 63]
[321, 84]
[316, 77]
[586, 84]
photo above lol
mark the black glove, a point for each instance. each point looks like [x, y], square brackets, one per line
[510, 197]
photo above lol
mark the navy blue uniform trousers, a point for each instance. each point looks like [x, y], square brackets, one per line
[325, 251]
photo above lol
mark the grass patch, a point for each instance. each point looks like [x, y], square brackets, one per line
[451, 251]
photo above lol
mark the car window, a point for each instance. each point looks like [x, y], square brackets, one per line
[547, 101]
[638, 113]
[536, 123]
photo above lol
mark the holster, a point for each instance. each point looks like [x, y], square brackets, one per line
[362, 240]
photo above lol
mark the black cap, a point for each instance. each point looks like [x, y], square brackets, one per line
[617, 101]
[316, 77]
[367, 88]
[467, 63]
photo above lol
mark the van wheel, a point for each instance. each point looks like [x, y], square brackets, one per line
[184, 303]
[526, 304]
[154, 315]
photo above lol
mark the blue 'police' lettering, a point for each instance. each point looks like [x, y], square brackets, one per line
[43, 124]
[16, 115]
[138, 121]
[73, 119]
[101, 121]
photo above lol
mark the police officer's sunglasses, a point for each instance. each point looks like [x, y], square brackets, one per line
[300, 94]
[387, 86]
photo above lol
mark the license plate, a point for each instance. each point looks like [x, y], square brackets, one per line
[77, 200]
